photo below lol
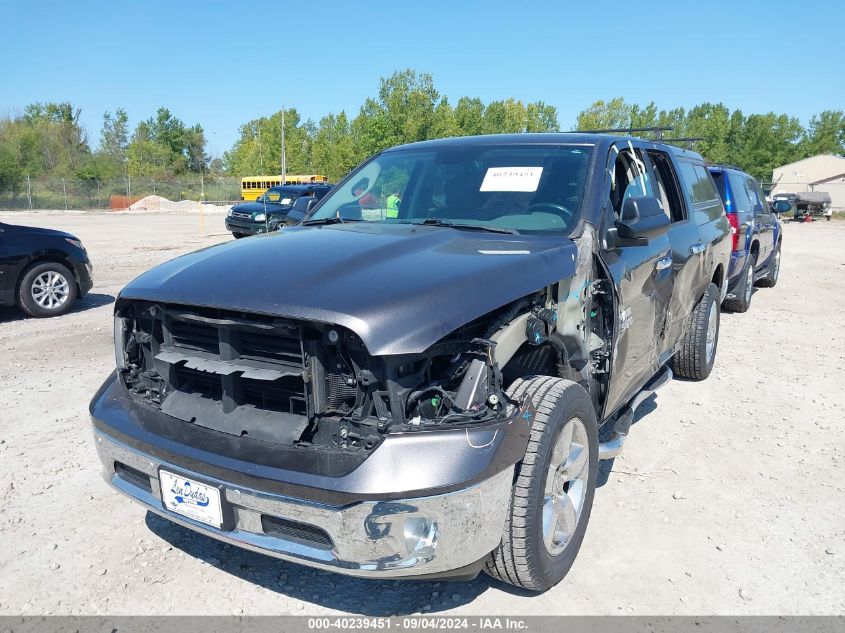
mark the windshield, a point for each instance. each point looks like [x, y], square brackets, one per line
[525, 189]
[278, 196]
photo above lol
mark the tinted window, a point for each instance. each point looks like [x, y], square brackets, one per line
[706, 202]
[741, 200]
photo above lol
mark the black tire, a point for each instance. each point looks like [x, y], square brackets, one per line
[771, 278]
[691, 361]
[238, 235]
[746, 289]
[522, 559]
[29, 302]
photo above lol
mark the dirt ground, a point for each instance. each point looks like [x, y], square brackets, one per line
[728, 499]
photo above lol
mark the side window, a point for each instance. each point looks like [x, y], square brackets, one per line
[707, 205]
[757, 197]
[742, 201]
[630, 178]
[668, 191]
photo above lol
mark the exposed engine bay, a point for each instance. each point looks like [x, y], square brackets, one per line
[314, 385]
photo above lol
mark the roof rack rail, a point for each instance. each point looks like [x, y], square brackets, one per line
[689, 140]
[726, 166]
[657, 130]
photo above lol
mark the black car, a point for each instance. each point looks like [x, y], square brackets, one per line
[269, 211]
[41, 270]
[419, 393]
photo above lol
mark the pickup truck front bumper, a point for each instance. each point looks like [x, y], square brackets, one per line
[441, 530]
[446, 535]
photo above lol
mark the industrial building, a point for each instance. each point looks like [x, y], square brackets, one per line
[825, 172]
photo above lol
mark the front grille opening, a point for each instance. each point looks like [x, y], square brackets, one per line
[203, 383]
[270, 348]
[133, 476]
[194, 336]
[293, 530]
[284, 395]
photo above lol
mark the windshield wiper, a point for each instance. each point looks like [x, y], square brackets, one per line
[470, 227]
[331, 220]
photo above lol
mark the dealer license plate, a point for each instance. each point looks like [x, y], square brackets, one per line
[190, 498]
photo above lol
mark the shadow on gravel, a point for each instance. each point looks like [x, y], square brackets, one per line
[606, 467]
[88, 302]
[329, 590]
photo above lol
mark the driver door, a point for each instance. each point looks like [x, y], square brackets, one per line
[642, 276]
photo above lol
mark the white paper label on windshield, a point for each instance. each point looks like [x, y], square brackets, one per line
[512, 179]
[285, 201]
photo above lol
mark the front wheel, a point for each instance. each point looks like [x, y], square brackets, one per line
[47, 289]
[697, 353]
[555, 483]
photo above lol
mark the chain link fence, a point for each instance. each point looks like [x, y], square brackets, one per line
[68, 193]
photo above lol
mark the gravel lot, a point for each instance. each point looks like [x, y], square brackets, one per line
[728, 499]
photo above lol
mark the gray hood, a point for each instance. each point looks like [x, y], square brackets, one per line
[399, 288]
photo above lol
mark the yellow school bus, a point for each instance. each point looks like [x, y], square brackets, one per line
[254, 186]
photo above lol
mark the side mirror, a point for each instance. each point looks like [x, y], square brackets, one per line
[642, 219]
[781, 206]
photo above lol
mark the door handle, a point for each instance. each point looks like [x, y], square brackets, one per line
[663, 263]
[697, 248]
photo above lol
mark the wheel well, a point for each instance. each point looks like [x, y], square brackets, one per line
[41, 259]
[718, 277]
[755, 248]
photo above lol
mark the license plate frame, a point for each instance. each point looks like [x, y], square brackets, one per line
[199, 501]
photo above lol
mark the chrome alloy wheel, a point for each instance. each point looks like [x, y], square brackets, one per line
[50, 290]
[566, 486]
[712, 321]
[776, 269]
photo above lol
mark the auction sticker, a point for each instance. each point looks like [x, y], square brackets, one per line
[511, 179]
[190, 498]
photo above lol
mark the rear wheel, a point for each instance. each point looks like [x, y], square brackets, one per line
[555, 483]
[743, 299]
[47, 289]
[697, 353]
[771, 278]
[238, 235]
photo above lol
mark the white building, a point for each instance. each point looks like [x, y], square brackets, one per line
[825, 172]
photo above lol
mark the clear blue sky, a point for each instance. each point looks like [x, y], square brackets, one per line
[223, 63]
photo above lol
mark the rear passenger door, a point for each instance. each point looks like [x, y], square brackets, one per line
[684, 241]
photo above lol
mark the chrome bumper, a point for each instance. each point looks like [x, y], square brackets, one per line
[400, 538]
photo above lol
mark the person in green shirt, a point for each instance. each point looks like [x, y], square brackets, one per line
[393, 201]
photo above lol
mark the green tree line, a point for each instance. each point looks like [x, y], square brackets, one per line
[47, 140]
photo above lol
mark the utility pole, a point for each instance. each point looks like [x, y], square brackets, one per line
[260, 153]
[29, 191]
[284, 166]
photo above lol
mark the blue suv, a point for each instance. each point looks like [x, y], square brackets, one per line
[756, 233]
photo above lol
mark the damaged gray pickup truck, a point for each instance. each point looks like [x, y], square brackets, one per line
[418, 393]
